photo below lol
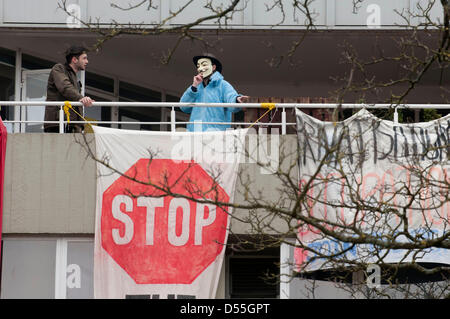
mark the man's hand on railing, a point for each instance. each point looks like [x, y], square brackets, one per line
[87, 101]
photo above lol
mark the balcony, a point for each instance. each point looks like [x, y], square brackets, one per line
[50, 190]
[44, 172]
[32, 113]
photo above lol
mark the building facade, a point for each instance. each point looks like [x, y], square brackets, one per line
[49, 197]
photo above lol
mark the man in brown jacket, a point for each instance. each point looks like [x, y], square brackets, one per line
[63, 85]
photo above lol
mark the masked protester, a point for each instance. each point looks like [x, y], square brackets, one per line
[209, 86]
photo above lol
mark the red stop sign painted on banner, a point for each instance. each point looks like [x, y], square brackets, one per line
[163, 240]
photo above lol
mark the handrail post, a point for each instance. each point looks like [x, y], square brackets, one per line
[61, 120]
[395, 115]
[172, 119]
[283, 121]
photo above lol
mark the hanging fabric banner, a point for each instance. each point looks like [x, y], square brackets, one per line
[162, 217]
[3, 138]
[376, 181]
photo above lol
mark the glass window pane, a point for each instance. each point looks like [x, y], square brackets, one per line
[80, 266]
[36, 90]
[98, 113]
[30, 62]
[136, 93]
[99, 82]
[28, 269]
[7, 82]
[131, 92]
[248, 277]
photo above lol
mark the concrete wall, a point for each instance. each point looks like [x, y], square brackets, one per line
[50, 185]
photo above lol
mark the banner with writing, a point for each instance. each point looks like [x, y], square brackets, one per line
[375, 180]
[162, 213]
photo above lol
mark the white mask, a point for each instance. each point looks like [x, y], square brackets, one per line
[205, 67]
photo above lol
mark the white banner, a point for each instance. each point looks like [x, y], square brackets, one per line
[162, 216]
[375, 177]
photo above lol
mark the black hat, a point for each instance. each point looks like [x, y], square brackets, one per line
[212, 58]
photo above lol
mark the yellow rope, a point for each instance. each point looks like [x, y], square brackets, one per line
[269, 106]
[68, 106]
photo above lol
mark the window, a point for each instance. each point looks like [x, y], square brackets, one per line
[80, 266]
[98, 113]
[47, 268]
[28, 268]
[30, 62]
[137, 93]
[100, 87]
[131, 92]
[249, 277]
[7, 82]
[99, 82]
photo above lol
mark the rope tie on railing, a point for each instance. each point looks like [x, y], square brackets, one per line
[269, 106]
[68, 106]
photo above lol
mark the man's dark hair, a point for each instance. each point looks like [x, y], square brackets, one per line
[74, 51]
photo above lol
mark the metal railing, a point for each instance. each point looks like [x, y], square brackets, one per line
[173, 105]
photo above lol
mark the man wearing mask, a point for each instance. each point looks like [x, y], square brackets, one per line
[209, 86]
[63, 85]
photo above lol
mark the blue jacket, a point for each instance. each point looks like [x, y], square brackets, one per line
[217, 91]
